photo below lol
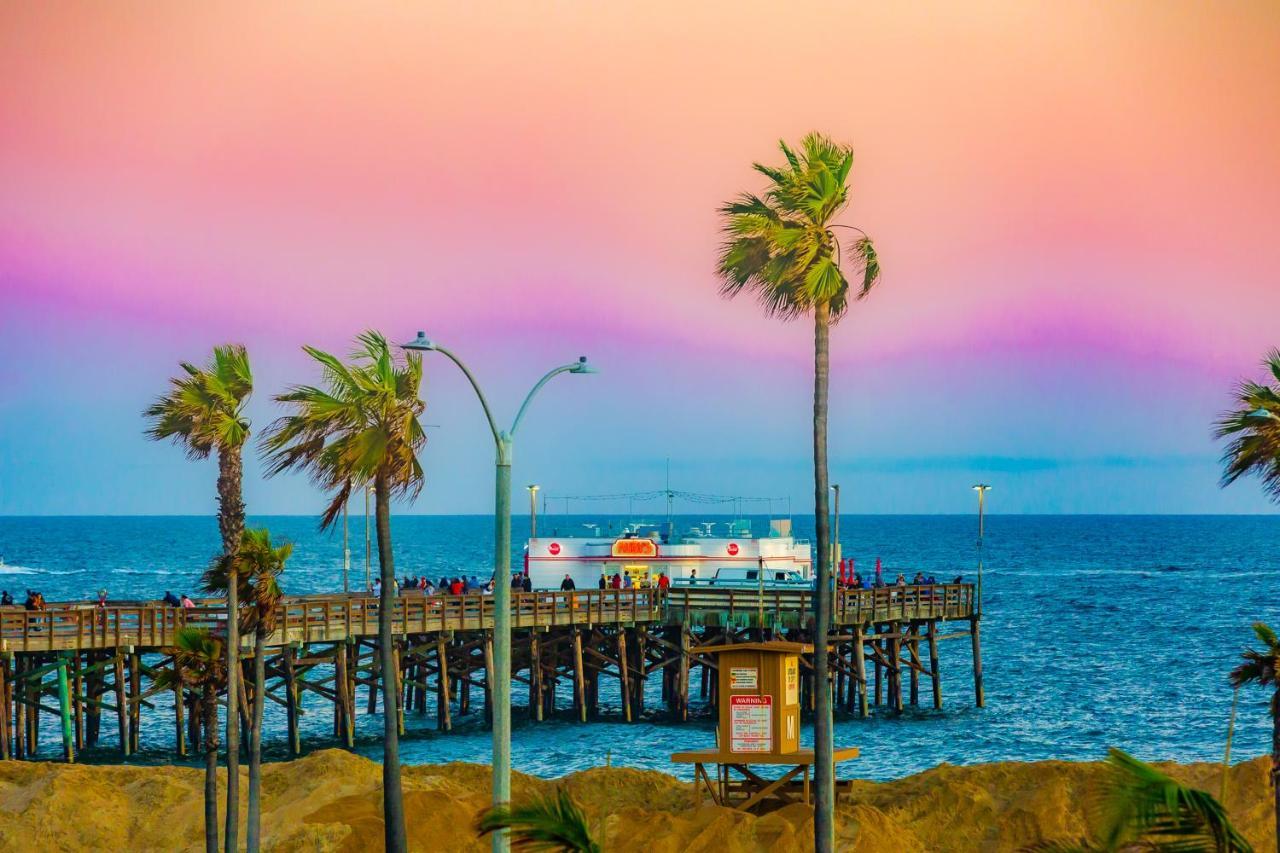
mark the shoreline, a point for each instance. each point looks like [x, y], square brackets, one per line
[331, 800]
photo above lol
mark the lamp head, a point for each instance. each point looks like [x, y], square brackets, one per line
[421, 343]
[533, 487]
[981, 487]
[583, 366]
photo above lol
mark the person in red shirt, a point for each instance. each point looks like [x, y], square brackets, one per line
[455, 588]
[664, 582]
[616, 582]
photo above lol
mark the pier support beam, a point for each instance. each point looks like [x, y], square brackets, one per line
[860, 670]
[935, 672]
[979, 696]
[122, 706]
[64, 708]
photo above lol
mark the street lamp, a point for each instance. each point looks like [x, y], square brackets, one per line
[981, 489]
[501, 690]
[533, 510]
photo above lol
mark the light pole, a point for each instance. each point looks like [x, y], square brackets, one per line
[981, 489]
[533, 510]
[835, 545]
[501, 690]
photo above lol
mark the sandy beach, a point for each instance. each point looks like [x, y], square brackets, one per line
[331, 801]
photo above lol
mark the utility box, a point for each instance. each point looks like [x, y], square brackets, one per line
[759, 697]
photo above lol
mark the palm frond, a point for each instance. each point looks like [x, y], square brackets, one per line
[204, 408]
[547, 824]
[1148, 805]
[1253, 428]
[778, 244]
[362, 424]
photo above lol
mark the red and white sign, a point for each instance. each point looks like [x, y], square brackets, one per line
[750, 723]
[733, 548]
[553, 548]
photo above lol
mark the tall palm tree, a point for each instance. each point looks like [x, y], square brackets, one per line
[549, 824]
[783, 247]
[362, 427]
[1263, 668]
[258, 565]
[1141, 809]
[1254, 430]
[199, 662]
[204, 412]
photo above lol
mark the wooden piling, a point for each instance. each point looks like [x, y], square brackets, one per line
[624, 680]
[443, 719]
[579, 684]
[135, 704]
[979, 696]
[935, 673]
[860, 670]
[64, 708]
[122, 706]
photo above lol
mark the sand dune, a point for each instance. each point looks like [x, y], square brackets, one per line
[330, 801]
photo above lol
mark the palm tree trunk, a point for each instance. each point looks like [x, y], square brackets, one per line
[231, 525]
[1275, 761]
[253, 830]
[209, 707]
[392, 797]
[824, 767]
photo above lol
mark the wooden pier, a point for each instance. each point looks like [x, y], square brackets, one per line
[68, 664]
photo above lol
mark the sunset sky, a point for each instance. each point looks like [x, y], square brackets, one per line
[1076, 207]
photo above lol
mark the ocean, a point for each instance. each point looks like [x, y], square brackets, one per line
[1098, 631]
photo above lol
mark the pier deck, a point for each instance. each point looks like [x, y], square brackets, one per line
[74, 660]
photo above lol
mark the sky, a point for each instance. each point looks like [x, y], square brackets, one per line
[1074, 205]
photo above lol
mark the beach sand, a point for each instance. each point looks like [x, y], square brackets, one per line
[330, 800]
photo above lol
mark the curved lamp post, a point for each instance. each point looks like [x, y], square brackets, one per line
[981, 489]
[501, 690]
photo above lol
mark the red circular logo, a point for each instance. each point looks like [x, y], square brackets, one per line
[554, 548]
[733, 548]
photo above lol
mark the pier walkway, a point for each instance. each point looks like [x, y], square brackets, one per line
[75, 659]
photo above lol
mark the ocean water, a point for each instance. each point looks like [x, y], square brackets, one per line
[1098, 631]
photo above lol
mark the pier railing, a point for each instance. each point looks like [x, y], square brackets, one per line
[304, 619]
[316, 618]
[793, 607]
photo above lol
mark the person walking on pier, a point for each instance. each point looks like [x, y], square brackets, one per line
[526, 584]
[604, 581]
[567, 584]
[664, 582]
[187, 603]
[172, 600]
[6, 600]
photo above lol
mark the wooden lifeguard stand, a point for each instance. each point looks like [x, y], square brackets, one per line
[759, 690]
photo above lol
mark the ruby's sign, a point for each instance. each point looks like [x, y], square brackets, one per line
[733, 548]
[553, 548]
[635, 548]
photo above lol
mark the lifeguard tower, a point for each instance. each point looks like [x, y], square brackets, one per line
[759, 724]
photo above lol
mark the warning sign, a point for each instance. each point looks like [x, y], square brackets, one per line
[750, 723]
[793, 682]
[744, 678]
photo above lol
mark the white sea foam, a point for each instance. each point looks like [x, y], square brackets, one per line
[6, 569]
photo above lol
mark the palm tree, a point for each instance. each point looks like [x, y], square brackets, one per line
[550, 824]
[1263, 668]
[783, 247]
[363, 427]
[1141, 809]
[1254, 430]
[204, 411]
[199, 662]
[258, 565]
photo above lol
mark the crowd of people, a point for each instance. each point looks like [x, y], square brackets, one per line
[856, 581]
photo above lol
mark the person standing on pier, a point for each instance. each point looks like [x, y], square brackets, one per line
[567, 584]
[526, 584]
